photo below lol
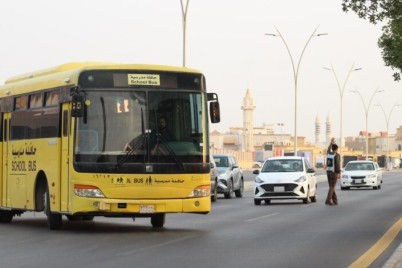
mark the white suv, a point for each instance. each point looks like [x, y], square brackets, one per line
[230, 175]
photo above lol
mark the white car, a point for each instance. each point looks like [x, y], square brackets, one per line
[287, 177]
[361, 173]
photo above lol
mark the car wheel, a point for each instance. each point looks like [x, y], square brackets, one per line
[257, 202]
[305, 200]
[267, 201]
[239, 192]
[228, 194]
[379, 186]
[375, 187]
[313, 198]
[214, 195]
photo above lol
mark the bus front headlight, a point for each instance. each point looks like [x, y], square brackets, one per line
[87, 191]
[201, 191]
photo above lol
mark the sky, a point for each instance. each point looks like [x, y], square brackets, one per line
[226, 41]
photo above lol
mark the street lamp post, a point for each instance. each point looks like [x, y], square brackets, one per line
[184, 22]
[366, 110]
[295, 73]
[387, 118]
[341, 91]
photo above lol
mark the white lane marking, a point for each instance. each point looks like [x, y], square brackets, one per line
[130, 252]
[262, 217]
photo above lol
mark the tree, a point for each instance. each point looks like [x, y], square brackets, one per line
[389, 12]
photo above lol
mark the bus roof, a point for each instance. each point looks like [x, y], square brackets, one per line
[68, 73]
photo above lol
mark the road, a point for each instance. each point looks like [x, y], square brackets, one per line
[235, 234]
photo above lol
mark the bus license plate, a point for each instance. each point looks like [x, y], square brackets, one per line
[147, 208]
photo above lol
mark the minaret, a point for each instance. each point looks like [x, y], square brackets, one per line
[317, 130]
[328, 130]
[248, 121]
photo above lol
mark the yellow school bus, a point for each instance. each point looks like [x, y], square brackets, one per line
[82, 140]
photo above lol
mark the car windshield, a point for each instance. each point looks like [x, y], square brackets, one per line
[221, 161]
[359, 166]
[283, 165]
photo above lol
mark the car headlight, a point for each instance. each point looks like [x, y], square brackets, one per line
[258, 180]
[301, 179]
[372, 176]
[345, 176]
[222, 176]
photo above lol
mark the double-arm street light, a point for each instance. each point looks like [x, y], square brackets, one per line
[295, 73]
[387, 118]
[366, 110]
[184, 9]
[341, 91]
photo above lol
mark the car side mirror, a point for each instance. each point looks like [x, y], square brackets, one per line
[211, 165]
[310, 170]
[256, 172]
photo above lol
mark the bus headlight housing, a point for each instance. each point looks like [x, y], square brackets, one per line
[201, 191]
[87, 191]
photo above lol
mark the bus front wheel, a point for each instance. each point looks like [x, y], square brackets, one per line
[54, 220]
[158, 220]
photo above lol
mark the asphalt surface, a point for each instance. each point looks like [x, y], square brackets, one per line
[395, 261]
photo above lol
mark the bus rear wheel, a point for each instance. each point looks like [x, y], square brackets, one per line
[6, 216]
[158, 220]
[54, 220]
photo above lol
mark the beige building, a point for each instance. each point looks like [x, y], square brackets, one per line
[250, 143]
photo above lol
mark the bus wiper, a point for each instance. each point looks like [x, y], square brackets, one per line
[171, 152]
[137, 143]
[104, 123]
[160, 138]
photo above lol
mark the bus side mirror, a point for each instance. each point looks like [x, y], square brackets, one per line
[214, 112]
[78, 105]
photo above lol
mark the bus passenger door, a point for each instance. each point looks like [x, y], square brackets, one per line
[4, 156]
[3, 167]
[65, 154]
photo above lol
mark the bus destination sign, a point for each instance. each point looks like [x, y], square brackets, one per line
[144, 79]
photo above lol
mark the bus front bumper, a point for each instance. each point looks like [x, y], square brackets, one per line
[148, 206]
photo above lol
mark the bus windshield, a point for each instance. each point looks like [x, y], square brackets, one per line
[123, 127]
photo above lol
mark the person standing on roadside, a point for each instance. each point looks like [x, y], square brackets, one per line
[333, 141]
[333, 174]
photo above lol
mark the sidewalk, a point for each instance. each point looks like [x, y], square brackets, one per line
[395, 261]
